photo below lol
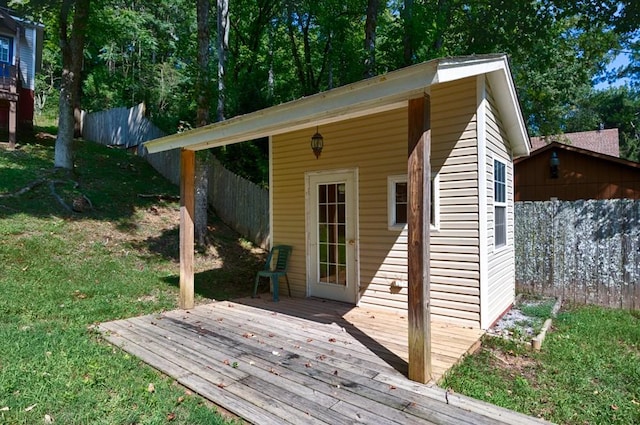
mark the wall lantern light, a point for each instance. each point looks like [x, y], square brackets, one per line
[317, 142]
[554, 164]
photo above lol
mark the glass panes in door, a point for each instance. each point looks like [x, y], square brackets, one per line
[332, 231]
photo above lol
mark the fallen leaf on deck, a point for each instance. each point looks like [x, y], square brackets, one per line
[309, 340]
[392, 387]
[275, 353]
[221, 385]
[275, 372]
[226, 362]
[332, 340]
[151, 388]
[271, 335]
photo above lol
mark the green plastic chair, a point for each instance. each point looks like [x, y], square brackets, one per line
[276, 266]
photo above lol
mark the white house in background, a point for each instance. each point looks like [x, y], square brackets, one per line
[20, 58]
[362, 224]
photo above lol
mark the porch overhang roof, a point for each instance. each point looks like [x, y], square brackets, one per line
[384, 92]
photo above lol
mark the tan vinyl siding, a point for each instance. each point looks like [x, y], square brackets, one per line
[501, 264]
[377, 147]
[455, 276]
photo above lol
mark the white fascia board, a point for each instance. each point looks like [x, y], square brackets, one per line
[385, 92]
[507, 99]
[452, 70]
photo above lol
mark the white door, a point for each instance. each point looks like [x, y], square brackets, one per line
[332, 228]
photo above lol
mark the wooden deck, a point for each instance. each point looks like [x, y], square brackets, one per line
[304, 362]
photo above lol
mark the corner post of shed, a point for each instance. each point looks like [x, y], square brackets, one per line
[187, 213]
[418, 221]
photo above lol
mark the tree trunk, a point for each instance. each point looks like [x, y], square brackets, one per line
[202, 119]
[407, 42]
[201, 197]
[202, 88]
[370, 38]
[223, 47]
[72, 55]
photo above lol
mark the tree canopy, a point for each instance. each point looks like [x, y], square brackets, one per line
[278, 50]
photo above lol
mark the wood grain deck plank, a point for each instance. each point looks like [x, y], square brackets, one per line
[310, 379]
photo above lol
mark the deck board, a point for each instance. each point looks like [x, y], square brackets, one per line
[304, 362]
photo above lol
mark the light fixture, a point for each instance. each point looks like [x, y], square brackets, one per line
[554, 165]
[317, 142]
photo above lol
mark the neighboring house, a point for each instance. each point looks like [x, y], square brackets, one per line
[568, 173]
[346, 212]
[20, 59]
[603, 141]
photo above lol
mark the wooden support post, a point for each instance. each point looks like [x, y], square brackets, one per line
[418, 210]
[187, 208]
[13, 119]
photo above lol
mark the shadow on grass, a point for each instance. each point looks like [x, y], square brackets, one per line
[224, 269]
[111, 179]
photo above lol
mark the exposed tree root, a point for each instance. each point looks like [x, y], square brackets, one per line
[80, 203]
[24, 190]
[159, 197]
[52, 189]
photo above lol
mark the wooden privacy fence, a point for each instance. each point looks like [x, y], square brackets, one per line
[585, 251]
[126, 127]
[238, 202]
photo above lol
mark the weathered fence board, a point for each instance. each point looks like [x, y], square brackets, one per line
[585, 251]
[126, 127]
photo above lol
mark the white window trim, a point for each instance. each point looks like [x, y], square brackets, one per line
[500, 204]
[391, 199]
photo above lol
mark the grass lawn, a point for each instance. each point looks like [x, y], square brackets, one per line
[588, 371]
[63, 272]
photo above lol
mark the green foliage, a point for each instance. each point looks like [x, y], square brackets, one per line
[613, 108]
[587, 372]
[281, 50]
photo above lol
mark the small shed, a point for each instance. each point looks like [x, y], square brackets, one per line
[409, 204]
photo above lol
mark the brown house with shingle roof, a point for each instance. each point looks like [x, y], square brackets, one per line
[574, 166]
[602, 141]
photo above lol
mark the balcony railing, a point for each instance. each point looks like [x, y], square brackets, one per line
[8, 77]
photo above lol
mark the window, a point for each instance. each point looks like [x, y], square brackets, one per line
[398, 197]
[500, 203]
[4, 49]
